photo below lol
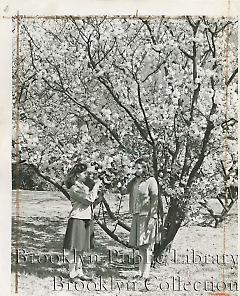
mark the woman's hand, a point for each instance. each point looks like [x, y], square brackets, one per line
[98, 183]
[97, 201]
[149, 224]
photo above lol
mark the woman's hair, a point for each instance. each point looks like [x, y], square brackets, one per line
[71, 175]
[89, 182]
[146, 169]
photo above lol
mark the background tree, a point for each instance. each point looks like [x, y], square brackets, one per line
[109, 90]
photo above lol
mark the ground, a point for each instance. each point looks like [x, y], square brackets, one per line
[194, 264]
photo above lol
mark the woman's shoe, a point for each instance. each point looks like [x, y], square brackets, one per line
[85, 278]
[74, 280]
[79, 278]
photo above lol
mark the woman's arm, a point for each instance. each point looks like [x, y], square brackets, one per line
[99, 198]
[128, 187]
[80, 194]
[153, 194]
[94, 192]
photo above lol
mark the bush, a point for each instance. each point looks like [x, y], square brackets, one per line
[23, 177]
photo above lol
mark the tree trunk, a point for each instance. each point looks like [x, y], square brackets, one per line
[170, 227]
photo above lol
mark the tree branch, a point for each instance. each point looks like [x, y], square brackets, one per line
[99, 120]
[157, 68]
[198, 164]
[48, 179]
[113, 217]
[144, 113]
[111, 234]
[232, 77]
[117, 100]
[104, 81]
[186, 54]
[204, 205]
[149, 30]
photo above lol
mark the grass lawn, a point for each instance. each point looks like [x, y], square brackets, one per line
[195, 263]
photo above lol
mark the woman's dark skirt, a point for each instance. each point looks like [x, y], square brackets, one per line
[79, 235]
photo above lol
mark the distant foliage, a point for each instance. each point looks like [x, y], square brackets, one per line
[25, 178]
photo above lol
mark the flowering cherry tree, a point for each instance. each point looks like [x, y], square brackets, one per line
[109, 90]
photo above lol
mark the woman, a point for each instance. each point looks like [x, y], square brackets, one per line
[143, 201]
[79, 229]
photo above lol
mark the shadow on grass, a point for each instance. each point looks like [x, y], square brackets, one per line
[39, 251]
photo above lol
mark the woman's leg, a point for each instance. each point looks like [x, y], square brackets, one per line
[79, 268]
[147, 261]
[72, 263]
[141, 263]
[79, 264]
